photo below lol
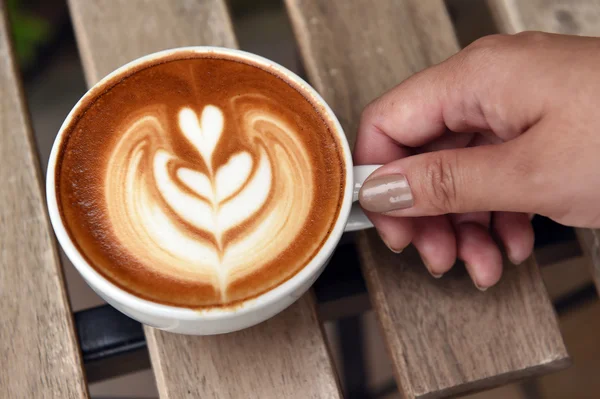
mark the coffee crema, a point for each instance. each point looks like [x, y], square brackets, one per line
[199, 180]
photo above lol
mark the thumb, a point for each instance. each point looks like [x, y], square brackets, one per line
[485, 178]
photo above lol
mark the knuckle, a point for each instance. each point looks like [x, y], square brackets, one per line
[374, 112]
[370, 108]
[440, 184]
[487, 46]
[491, 50]
[498, 45]
[532, 37]
[367, 113]
[476, 60]
[489, 41]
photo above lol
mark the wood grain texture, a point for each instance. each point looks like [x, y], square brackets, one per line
[574, 17]
[447, 338]
[112, 33]
[282, 358]
[444, 336]
[38, 346]
[354, 51]
[590, 241]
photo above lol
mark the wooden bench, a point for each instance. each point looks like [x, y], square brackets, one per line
[444, 337]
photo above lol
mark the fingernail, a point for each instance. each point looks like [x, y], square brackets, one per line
[386, 193]
[482, 289]
[513, 260]
[479, 287]
[394, 250]
[428, 267]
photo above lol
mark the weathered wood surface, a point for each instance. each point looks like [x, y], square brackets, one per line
[590, 240]
[444, 336]
[573, 17]
[38, 346]
[282, 358]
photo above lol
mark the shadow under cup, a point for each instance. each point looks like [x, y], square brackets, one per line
[205, 319]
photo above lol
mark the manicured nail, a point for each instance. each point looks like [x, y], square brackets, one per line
[391, 248]
[386, 193]
[396, 251]
[482, 289]
[479, 287]
[428, 267]
[513, 260]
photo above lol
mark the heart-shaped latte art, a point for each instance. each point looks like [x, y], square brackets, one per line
[214, 208]
[215, 220]
[203, 133]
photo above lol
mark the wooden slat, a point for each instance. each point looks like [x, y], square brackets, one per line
[278, 359]
[444, 336]
[38, 346]
[285, 357]
[590, 241]
[566, 277]
[576, 17]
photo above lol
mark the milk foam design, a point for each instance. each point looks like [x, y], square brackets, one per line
[218, 222]
[215, 208]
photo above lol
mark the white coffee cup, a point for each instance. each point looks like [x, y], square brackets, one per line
[252, 311]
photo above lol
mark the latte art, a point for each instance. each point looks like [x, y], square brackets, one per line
[199, 182]
[219, 222]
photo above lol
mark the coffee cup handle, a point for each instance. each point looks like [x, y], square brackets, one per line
[358, 220]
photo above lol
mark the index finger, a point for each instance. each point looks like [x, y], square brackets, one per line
[412, 114]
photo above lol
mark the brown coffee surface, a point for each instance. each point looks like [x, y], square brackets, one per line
[199, 181]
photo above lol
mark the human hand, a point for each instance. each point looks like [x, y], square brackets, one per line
[507, 127]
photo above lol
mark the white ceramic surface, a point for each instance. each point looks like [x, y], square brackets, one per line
[253, 311]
